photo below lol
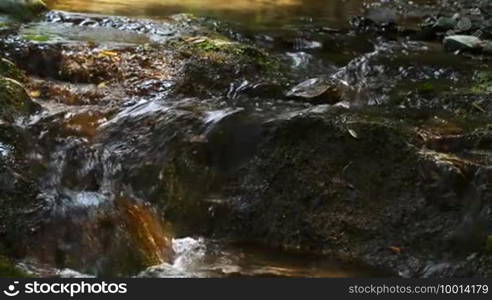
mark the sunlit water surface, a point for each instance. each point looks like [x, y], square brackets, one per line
[242, 11]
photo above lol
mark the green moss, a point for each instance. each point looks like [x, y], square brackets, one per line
[269, 63]
[426, 87]
[36, 37]
[8, 69]
[14, 100]
[212, 45]
[482, 83]
[184, 17]
[488, 244]
[8, 269]
[218, 48]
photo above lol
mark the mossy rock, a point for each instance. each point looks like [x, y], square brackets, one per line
[209, 63]
[219, 49]
[9, 270]
[23, 9]
[14, 100]
[10, 70]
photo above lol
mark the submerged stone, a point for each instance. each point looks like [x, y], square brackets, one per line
[318, 90]
[462, 43]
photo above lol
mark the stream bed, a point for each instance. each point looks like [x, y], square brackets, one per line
[279, 138]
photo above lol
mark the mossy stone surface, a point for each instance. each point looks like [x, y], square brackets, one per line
[9, 270]
[14, 100]
[23, 9]
[9, 69]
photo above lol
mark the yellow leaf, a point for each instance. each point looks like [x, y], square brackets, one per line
[35, 93]
[108, 53]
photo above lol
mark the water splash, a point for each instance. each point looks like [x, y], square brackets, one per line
[4, 150]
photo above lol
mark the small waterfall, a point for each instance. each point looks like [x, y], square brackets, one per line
[147, 231]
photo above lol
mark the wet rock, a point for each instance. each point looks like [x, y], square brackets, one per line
[20, 211]
[458, 17]
[24, 9]
[462, 43]
[9, 270]
[216, 61]
[264, 89]
[339, 209]
[317, 90]
[10, 70]
[366, 25]
[445, 23]
[186, 60]
[382, 15]
[453, 25]
[108, 238]
[384, 75]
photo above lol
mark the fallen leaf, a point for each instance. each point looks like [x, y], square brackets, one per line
[478, 107]
[108, 53]
[35, 93]
[196, 39]
[395, 250]
[353, 133]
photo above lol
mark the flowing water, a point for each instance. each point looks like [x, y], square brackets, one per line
[88, 220]
[259, 12]
[83, 193]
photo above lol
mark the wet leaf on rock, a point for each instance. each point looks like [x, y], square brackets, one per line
[395, 250]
